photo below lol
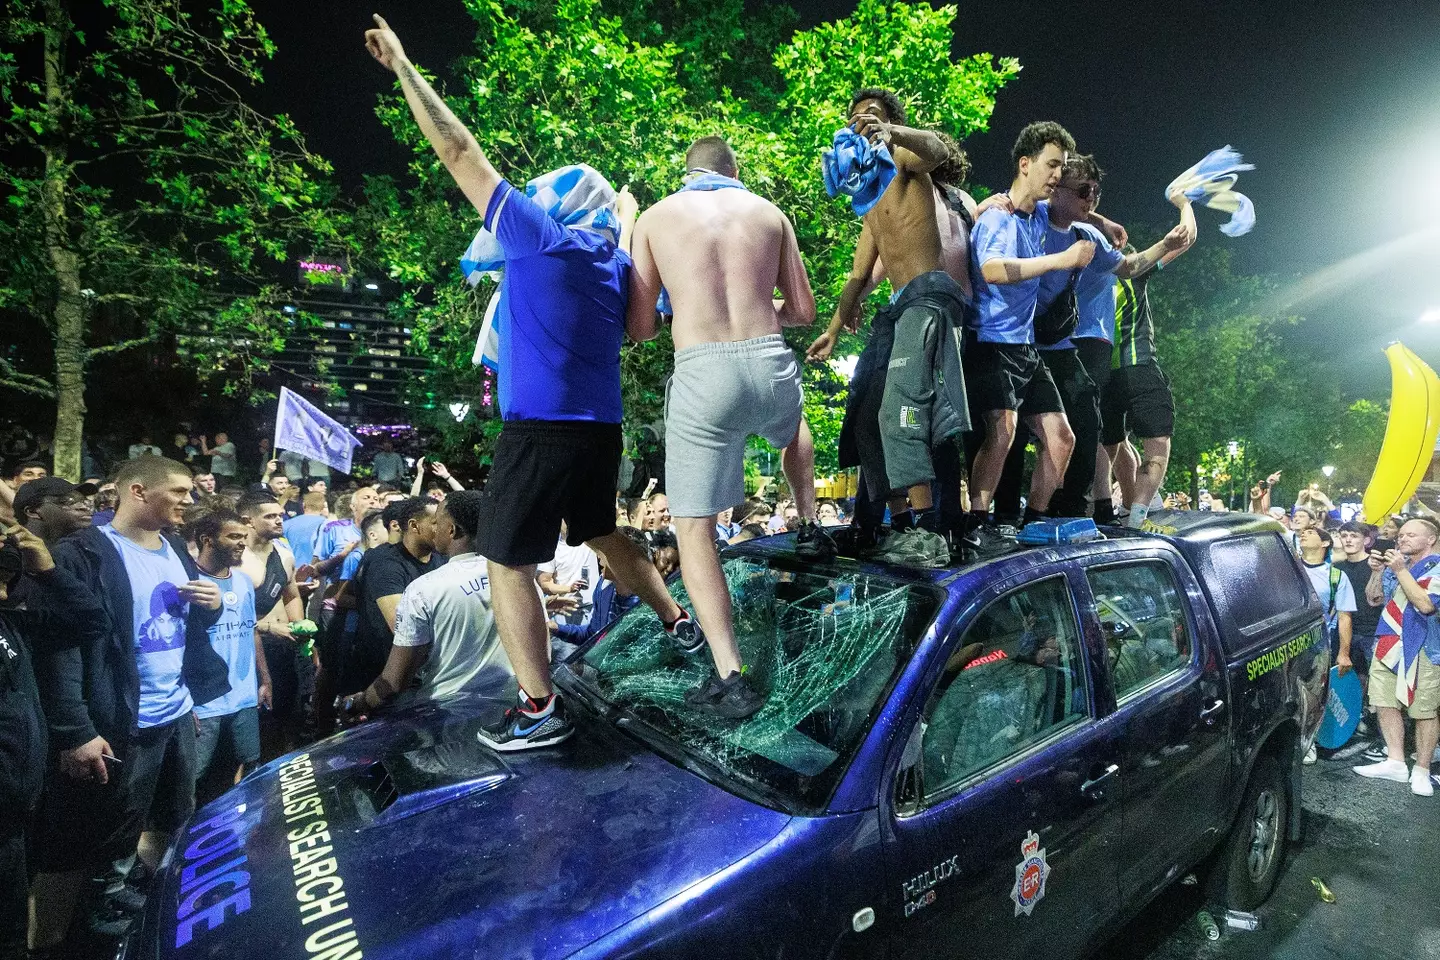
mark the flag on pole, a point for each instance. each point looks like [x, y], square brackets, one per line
[301, 427]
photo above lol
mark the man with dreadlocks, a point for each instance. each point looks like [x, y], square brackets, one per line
[907, 396]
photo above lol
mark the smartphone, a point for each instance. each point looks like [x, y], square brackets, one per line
[1382, 545]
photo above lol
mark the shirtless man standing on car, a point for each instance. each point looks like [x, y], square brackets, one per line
[908, 394]
[720, 253]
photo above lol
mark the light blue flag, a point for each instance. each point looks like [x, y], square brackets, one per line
[1211, 182]
[301, 427]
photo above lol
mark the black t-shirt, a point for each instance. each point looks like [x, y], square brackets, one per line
[1365, 618]
[384, 571]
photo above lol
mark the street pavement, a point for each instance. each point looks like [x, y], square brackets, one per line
[1373, 843]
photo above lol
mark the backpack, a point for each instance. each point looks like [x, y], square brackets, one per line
[1058, 321]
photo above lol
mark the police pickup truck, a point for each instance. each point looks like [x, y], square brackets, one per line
[1004, 759]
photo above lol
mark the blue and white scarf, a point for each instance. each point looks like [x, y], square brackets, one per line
[1211, 183]
[858, 169]
[575, 196]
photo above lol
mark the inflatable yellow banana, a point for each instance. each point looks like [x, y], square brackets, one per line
[1409, 435]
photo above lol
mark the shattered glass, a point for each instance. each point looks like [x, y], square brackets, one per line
[822, 649]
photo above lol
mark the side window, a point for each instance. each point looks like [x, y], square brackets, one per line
[1242, 563]
[1015, 678]
[1142, 618]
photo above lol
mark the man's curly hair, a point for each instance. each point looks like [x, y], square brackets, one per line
[955, 169]
[894, 109]
[1032, 140]
[1082, 166]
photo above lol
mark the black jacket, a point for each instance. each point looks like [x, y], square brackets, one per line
[64, 612]
[93, 688]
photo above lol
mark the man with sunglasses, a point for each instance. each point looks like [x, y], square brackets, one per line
[53, 507]
[1080, 364]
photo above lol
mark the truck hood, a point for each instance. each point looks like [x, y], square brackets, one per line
[405, 837]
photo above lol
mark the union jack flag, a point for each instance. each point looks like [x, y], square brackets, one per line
[1400, 637]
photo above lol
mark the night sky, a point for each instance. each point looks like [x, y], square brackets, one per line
[1338, 105]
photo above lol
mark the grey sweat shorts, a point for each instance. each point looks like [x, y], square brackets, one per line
[720, 394]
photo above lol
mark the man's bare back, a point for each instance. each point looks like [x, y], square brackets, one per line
[721, 254]
[954, 240]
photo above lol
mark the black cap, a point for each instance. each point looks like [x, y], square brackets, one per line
[33, 492]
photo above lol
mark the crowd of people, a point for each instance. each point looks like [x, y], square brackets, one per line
[166, 625]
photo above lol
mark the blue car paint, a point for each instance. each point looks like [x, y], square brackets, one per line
[604, 849]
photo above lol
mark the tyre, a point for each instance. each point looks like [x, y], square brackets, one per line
[1255, 848]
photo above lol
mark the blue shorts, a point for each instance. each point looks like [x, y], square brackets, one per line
[228, 742]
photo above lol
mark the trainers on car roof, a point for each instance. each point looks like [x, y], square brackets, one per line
[915, 548]
[732, 698]
[519, 730]
[813, 543]
[686, 634]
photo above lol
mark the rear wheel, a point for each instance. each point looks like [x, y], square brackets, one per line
[1256, 847]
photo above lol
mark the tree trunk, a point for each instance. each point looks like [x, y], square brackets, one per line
[70, 313]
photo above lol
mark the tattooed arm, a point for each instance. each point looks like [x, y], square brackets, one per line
[1003, 270]
[454, 144]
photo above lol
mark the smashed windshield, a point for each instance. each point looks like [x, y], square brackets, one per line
[822, 648]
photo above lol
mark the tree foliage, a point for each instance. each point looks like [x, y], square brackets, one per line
[626, 86]
[1241, 376]
[143, 194]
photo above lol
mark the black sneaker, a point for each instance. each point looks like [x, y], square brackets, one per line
[686, 634]
[813, 543]
[127, 898]
[1376, 753]
[109, 921]
[986, 540]
[855, 540]
[732, 698]
[517, 730]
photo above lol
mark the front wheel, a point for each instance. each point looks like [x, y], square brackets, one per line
[1256, 846]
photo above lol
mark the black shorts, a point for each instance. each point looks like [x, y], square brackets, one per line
[546, 471]
[1136, 400]
[1095, 356]
[1008, 376]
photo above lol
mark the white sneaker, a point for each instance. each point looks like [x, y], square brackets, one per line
[1420, 784]
[1395, 770]
[1310, 756]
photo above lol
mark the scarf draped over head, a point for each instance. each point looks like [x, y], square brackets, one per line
[858, 169]
[697, 178]
[574, 196]
[1211, 183]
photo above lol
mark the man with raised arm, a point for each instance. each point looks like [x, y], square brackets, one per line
[907, 396]
[721, 252]
[567, 287]
[1002, 366]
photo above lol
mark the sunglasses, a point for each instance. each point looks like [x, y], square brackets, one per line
[1084, 191]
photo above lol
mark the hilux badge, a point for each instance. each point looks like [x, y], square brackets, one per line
[1030, 875]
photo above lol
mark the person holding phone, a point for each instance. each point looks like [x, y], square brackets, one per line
[128, 693]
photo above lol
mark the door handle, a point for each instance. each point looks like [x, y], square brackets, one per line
[1108, 772]
[1211, 710]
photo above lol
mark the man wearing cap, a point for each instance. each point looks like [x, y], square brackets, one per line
[560, 323]
[53, 507]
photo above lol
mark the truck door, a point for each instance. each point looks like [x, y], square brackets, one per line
[1169, 701]
[1006, 846]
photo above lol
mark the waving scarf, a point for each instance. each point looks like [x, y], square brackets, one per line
[858, 169]
[1400, 637]
[575, 196]
[697, 178]
[1211, 183]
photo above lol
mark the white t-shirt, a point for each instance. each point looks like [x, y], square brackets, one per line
[571, 564]
[448, 610]
[1320, 582]
[222, 460]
